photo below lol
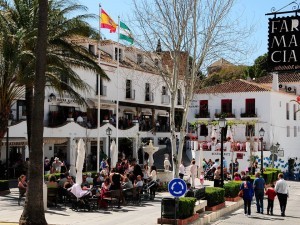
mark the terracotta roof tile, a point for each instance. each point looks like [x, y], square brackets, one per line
[282, 78]
[234, 86]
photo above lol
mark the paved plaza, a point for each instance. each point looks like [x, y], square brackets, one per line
[147, 213]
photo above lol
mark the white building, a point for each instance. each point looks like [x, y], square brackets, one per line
[143, 101]
[249, 106]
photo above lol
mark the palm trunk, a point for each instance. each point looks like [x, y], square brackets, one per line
[33, 213]
[29, 106]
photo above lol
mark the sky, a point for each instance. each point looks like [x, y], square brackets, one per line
[249, 12]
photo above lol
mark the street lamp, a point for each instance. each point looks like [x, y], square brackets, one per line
[108, 133]
[261, 134]
[222, 125]
[7, 145]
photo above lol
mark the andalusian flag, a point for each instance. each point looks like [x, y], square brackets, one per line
[107, 22]
[125, 33]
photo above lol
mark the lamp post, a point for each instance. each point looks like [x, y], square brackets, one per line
[7, 146]
[222, 125]
[108, 133]
[261, 134]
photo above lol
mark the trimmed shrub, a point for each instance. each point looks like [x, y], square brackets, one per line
[186, 207]
[232, 189]
[214, 196]
[4, 185]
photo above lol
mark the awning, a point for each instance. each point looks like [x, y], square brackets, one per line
[54, 140]
[163, 114]
[132, 111]
[147, 113]
[15, 141]
[93, 103]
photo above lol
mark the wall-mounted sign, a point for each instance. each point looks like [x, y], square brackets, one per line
[284, 44]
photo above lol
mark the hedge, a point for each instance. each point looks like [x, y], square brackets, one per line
[186, 207]
[57, 175]
[4, 185]
[214, 196]
[232, 189]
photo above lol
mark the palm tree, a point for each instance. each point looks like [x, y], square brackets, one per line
[34, 211]
[62, 55]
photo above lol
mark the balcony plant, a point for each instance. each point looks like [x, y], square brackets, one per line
[224, 115]
[246, 114]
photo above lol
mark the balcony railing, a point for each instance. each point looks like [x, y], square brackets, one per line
[203, 114]
[149, 97]
[220, 114]
[246, 114]
[165, 99]
[130, 94]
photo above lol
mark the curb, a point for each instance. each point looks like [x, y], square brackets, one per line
[213, 216]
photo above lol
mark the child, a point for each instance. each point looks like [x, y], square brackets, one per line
[201, 179]
[271, 196]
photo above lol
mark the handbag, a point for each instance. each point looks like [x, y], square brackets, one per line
[241, 193]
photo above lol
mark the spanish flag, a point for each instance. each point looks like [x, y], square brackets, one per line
[107, 22]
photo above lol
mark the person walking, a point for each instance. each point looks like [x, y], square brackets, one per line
[193, 172]
[248, 193]
[259, 187]
[271, 196]
[282, 191]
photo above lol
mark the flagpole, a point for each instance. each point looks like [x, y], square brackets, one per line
[98, 108]
[118, 64]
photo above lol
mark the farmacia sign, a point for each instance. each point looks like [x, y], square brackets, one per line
[284, 41]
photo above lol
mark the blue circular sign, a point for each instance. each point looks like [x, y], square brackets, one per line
[177, 187]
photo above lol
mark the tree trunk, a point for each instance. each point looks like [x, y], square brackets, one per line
[29, 106]
[33, 213]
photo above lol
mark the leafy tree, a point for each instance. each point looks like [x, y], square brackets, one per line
[259, 68]
[191, 32]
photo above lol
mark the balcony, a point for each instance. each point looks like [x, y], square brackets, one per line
[220, 114]
[165, 99]
[203, 114]
[149, 97]
[130, 94]
[248, 113]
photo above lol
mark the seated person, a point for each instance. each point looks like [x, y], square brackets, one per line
[89, 178]
[63, 179]
[138, 182]
[127, 184]
[69, 183]
[52, 182]
[84, 183]
[189, 192]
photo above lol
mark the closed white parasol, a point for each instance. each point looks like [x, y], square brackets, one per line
[73, 158]
[80, 161]
[113, 154]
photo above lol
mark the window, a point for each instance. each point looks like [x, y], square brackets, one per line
[226, 106]
[203, 130]
[287, 111]
[128, 88]
[147, 92]
[295, 131]
[288, 131]
[164, 90]
[179, 97]
[120, 54]
[103, 89]
[295, 112]
[250, 130]
[139, 59]
[203, 111]
[250, 106]
[92, 49]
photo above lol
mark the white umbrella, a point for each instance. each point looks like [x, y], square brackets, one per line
[72, 158]
[80, 161]
[229, 134]
[113, 154]
[27, 152]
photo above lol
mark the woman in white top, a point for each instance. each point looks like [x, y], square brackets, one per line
[181, 170]
[193, 172]
[153, 183]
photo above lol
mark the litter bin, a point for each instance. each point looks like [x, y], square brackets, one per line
[168, 208]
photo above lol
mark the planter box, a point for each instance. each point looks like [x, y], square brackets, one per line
[235, 199]
[179, 221]
[215, 208]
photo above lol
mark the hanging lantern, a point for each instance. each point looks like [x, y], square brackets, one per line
[298, 99]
